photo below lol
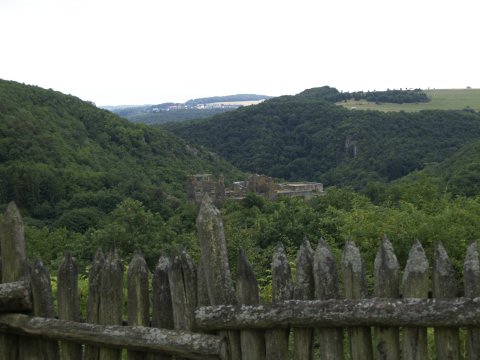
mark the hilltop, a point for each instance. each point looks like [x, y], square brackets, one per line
[192, 109]
[439, 99]
[308, 137]
[67, 163]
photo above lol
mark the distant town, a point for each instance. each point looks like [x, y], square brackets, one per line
[230, 105]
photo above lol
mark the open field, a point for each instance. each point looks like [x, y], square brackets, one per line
[442, 99]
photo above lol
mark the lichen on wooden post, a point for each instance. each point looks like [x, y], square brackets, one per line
[43, 306]
[355, 285]
[68, 305]
[183, 285]
[93, 300]
[276, 340]
[447, 341]
[162, 312]
[471, 280]
[12, 243]
[14, 266]
[303, 290]
[415, 285]
[111, 299]
[387, 283]
[325, 276]
[202, 288]
[213, 249]
[252, 341]
[138, 301]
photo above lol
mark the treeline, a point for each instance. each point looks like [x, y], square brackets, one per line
[400, 96]
[389, 96]
[407, 213]
[303, 138]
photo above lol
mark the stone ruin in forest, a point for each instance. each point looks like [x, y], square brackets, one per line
[261, 185]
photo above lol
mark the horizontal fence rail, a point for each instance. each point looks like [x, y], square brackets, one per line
[15, 297]
[460, 312]
[140, 338]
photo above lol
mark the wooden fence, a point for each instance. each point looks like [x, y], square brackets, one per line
[196, 312]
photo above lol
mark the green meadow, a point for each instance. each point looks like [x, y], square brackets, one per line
[441, 99]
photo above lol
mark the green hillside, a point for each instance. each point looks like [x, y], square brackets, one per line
[306, 138]
[458, 174]
[67, 163]
[85, 178]
[441, 99]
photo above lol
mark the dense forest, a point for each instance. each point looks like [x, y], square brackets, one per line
[85, 178]
[400, 96]
[69, 165]
[306, 137]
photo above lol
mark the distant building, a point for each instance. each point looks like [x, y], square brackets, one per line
[306, 190]
[198, 185]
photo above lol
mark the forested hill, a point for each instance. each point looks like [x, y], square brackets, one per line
[67, 163]
[458, 174]
[307, 137]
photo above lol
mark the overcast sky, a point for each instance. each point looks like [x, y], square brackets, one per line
[116, 52]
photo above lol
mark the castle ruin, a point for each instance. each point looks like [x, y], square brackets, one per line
[198, 185]
[261, 185]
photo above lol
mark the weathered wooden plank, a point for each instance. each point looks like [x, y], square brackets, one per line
[459, 312]
[93, 300]
[447, 341]
[14, 267]
[183, 284]
[138, 303]
[15, 297]
[326, 287]
[304, 289]
[252, 341]
[213, 249]
[276, 340]
[139, 338]
[387, 283]
[68, 305]
[471, 281]
[111, 299]
[202, 288]
[415, 285]
[162, 312]
[355, 285]
[43, 306]
[12, 242]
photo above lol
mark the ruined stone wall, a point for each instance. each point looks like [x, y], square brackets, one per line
[262, 185]
[198, 185]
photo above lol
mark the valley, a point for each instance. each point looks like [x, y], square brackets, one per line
[85, 178]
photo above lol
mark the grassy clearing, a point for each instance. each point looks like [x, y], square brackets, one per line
[442, 99]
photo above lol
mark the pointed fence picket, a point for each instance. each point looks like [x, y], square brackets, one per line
[194, 312]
